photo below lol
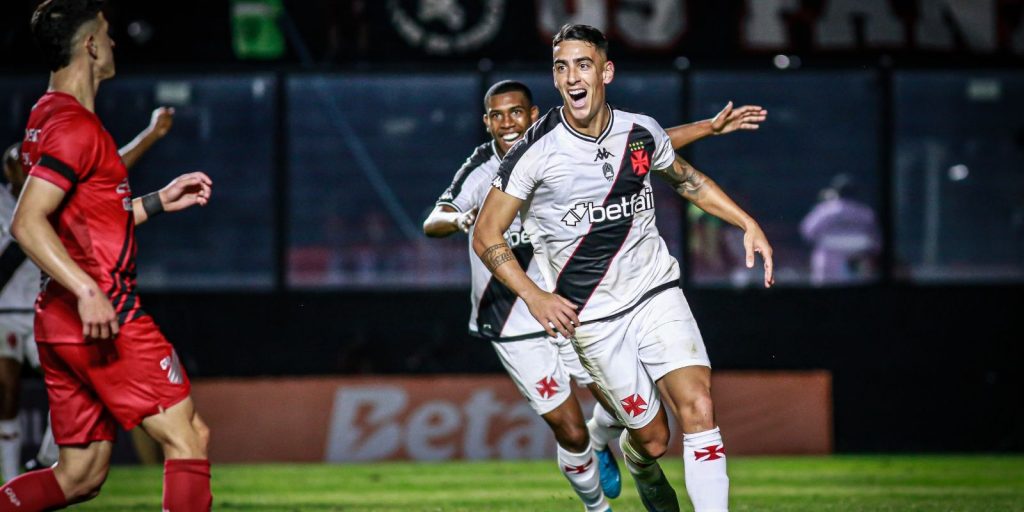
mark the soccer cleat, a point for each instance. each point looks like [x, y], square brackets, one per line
[658, 496]
[611, 479]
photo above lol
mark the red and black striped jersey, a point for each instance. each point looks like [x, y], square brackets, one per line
[589, 207]
[66, 145]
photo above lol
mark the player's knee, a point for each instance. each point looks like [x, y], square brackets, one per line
[8, 400]
[655, 448]
[202, 433]
[573, 437]
[699, 408]
[184, 444]
[652, 441]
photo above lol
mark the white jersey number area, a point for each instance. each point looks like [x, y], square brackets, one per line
[590, 209]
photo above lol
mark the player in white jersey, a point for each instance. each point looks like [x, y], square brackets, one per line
[615, 287]
[19, 286]
[541, 366]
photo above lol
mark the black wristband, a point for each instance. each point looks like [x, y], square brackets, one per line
[152, 205]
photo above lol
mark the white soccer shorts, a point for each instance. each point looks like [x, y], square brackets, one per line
[627, 355]
[541, 369]
[19, 344]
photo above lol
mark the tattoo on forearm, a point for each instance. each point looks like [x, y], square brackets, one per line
[685, 179]
[497, 254]
[693, 185]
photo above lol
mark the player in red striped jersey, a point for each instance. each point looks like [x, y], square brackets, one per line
[19, 286]
[105, 362]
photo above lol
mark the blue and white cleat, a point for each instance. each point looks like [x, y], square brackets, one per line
[658, 496]
[611, 479]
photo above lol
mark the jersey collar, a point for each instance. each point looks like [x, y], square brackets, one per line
[494, 148]
[588, 138]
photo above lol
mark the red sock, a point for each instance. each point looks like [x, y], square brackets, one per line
[37, 490]
[187, 485]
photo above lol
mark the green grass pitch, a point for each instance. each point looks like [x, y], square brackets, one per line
[837, 483]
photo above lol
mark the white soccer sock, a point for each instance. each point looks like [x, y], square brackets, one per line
[10, 449]
[581, 471]
[704, 462]
[48, 449]
[643, 468]
[603, 428]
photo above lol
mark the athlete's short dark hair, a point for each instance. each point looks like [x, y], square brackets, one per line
[55, 23]
[585, 33]
[505, 86]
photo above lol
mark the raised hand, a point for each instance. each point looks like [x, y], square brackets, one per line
[747, 117]
[185, 191]
[754, 241]
[161, 121]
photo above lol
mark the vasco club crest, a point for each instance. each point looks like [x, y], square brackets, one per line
[639, 158]
[447, 27]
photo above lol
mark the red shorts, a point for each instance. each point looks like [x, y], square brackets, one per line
[92, 385]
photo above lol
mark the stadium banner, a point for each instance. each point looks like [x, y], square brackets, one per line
[435, 418]
[656, 29]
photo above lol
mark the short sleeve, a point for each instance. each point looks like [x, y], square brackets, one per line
[664, 155]
[464, 192]
[67, 151]
[517, 175]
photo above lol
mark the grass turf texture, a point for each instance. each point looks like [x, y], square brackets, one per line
[838, 483]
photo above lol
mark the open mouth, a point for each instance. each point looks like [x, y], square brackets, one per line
[577, 97]
[510, 137]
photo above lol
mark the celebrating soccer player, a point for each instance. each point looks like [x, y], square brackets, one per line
[540, 366]
[615, 288]
[104, 359]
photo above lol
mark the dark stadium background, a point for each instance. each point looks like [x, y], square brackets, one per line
[296, 269]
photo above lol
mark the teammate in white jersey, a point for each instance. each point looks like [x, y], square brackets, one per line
[615, 287]
[541, 366]
[19, 286]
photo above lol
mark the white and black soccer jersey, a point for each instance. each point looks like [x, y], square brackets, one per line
[589, 208]
[497, 313]
[19, 277]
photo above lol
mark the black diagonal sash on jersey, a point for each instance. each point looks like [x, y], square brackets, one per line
[587, 266]
[10, 260]
[497, 300]
[480, 156]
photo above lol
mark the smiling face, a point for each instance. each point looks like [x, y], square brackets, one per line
[508, 116]
[581, 72]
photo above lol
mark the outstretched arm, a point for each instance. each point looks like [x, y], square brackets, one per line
[31, 227]
[445, 220]
[159, 124]
[702, 191]
[182, 192]
[554, 313]
[747, 117]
